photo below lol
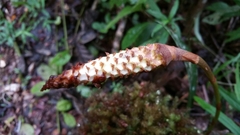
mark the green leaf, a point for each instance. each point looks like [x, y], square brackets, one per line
[146, 34]
[63, 105]
[175, 28]
[132, 35]
[233, 35]
[156, 29]
[118, 3]
[69, 120]
[85, 91]
[174, 9]
[60, 58]
[175, 36]
[99, 26]
[218, 6]
[237, 85]
[124, 12]
[45, 71]
[153, 9]
[230, 97]
[163, 36]
[213, 19]
[197, 28]
[226, 121]
[36, 89]
[107, 17]
[57, 21]
[26, 129]
[222, 67]
[93, 50]
[222, 14]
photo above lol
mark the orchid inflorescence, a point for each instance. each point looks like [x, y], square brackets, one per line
[127, 62]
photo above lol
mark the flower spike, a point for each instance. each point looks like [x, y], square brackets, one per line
[131, 61]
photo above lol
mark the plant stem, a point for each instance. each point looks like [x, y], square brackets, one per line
[58, 122]
[213, 81]
[64, 26]
[78, 21]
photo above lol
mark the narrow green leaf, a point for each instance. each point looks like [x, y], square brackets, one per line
[230, 97]
[124, 12]
[156, 29]
[117, 3]
[69, 119]
[222, 15]
[163, 36]
[192, 73]
[233, 11]
[213, 19]
[154, 10]
[237, 85]
[233, 35]
[175, 28]
[132, 35]
[225, 64]
[226, 121]
[218, 6]
[197, 29]
[174, 9]
[63, 105]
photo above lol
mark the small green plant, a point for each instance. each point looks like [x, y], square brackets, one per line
[138, 110]
[54, 67]
[63, 106]
[10, 32]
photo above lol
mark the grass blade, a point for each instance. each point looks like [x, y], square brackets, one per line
[225, 64]
[230, 98]
[225, 120]
[124, 12]
[237, 85]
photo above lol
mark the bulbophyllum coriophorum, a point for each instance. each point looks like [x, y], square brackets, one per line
[131, 61]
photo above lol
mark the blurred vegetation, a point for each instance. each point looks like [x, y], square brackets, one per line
[140, 109]
[14, 29]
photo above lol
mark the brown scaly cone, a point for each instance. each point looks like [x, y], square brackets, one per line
[126, 62]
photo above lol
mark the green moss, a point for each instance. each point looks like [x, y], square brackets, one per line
[138, 110]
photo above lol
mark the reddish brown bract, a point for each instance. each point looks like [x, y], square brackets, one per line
[126, 62]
